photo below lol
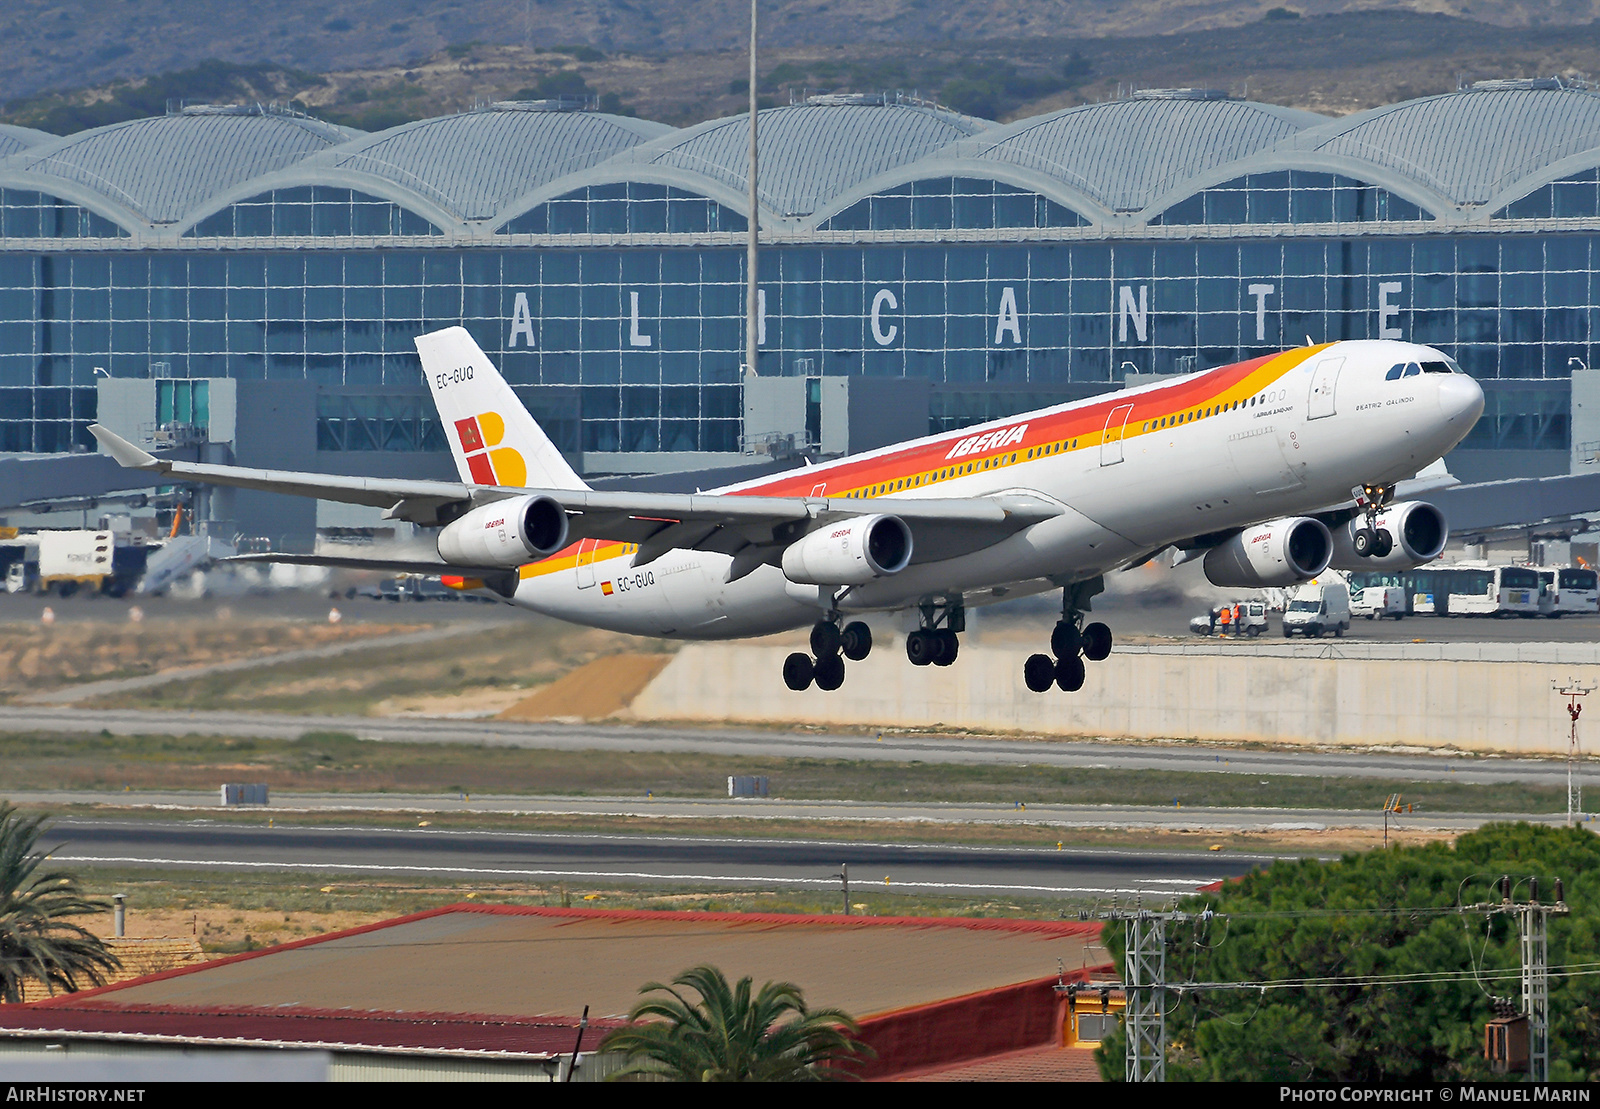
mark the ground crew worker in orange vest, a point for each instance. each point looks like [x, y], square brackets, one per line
[1226, 619]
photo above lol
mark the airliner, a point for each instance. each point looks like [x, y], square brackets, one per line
[1270, 470]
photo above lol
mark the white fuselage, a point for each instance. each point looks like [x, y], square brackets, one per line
[1132, 471]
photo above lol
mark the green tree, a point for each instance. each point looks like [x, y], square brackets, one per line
[728, 1035]
[1380, 913]
[37, 941]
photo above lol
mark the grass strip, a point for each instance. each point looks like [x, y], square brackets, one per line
[336, 762]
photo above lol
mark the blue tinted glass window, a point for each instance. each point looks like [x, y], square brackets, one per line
[945, 202]
[321, 211]
[618, 209]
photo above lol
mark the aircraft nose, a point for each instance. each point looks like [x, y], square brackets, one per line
[1460, 399]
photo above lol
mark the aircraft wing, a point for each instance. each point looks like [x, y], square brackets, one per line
[758, 528]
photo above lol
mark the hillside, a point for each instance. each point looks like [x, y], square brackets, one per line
[1333, 64]
[59, 44]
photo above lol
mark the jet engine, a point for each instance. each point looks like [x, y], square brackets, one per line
[1416, 532]
[850, 552]
[1277, 553]
[505, 533]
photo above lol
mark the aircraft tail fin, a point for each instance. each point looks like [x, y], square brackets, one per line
[492, 435]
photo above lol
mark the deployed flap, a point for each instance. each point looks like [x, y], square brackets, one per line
[492, 436]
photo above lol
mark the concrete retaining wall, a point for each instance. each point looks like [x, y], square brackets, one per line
[1229, 696]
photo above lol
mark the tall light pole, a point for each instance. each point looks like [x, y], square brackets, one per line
[752, 297]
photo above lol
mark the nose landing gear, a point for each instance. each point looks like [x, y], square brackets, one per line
[1071, 641]
[831, 645]
[1371, 541]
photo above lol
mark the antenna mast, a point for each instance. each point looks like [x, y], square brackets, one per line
[752, 322]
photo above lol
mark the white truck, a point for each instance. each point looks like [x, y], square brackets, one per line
[1318, 607]
[1377, 601]
[69, 560]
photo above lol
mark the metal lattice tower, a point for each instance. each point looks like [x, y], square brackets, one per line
[1146, 1014]
[1533, 921]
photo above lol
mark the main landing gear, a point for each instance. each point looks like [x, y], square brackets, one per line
[1071, 642]
[1371, 541]
[831, 645]
[931, 645]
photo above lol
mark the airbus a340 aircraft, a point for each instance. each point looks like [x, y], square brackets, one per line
[1270, 470]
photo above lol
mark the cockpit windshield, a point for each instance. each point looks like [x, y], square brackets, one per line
[1412, 369]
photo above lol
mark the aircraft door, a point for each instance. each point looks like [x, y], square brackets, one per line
[1324, 380]
[586, 562]
[1111, 441]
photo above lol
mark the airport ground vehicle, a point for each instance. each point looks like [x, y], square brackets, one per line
[1568, 591]
[1248, 618]
[1317, 608]
[1316, 441]
[1378, 601]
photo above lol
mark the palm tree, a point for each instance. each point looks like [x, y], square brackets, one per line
[37, 941]
[729, 1036]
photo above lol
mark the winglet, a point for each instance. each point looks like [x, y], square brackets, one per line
[126, 454]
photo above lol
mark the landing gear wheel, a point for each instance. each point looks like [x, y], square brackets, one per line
[1096, 642]
[1382, 544]
[830, 672]
[1364, 540]
[856, 641]
[825, 639]
[1066, 639]
[1039, 672]
[798, 670]
[921, 648]
[948, 647]
[1070, 673]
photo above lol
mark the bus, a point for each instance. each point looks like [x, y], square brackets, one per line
[1570, 590]
[1475, 591]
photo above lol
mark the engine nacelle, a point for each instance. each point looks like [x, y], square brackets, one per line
[506, 533]
[1418, 529]
[851, 552]
[1277, 553]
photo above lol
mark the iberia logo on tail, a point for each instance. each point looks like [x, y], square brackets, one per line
[487, 461]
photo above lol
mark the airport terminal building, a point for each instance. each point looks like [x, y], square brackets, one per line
[254, 277]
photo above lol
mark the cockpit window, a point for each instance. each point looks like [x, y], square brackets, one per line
[1436, 368]
[1395, 372]
[1412, 369]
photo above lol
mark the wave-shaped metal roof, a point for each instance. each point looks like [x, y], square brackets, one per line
[1472, 146]
[1460, 155]
[14, 138]
[1125, 153]
[809, 153]
[475, 163]
[159, 169]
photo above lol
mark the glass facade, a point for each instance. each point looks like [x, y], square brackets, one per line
[1575, 197]
[625, 208]
[25, 214]
[639, 349]
[941, 203]
[1291, 196]
[311, 210]
[377, 422]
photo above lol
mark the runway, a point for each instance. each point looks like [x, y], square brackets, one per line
[609, 860]
[1132, 817]
[818, 743]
